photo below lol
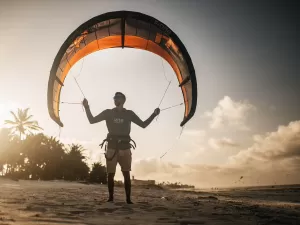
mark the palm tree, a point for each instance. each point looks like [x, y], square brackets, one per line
[98, 173]
[75, 168]
[76, 151]
[22, 123]
[53, 159]
[9, 151]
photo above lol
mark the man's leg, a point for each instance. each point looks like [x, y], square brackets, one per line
[111, 164]
[110, 185]
[125, 163]
[127, 185]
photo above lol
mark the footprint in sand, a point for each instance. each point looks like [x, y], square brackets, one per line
[190, 221]
[86, 208]
[122, 206]
[107, 210]
[144, 207]
[56, 221]
[143, 202]
[76, 212]
[166, 220]
[67, 215]
[159, 208]
[35, 208]
[3, 219]
[120, 203]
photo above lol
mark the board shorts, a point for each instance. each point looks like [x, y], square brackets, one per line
[123, 157]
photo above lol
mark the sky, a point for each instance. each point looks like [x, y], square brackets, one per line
[246, 57]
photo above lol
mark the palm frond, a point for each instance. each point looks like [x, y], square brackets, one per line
[25, 114]
[34, 127]
[14, 115]
[30, 123]
[10, 122]
[19, 113]
[28, 117]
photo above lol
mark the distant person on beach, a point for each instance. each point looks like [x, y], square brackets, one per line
[118, 148]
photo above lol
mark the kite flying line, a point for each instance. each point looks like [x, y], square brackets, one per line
[173, 143]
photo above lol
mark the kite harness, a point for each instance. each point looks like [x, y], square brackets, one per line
[117, 142]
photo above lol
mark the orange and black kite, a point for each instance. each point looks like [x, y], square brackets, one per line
[130, 30]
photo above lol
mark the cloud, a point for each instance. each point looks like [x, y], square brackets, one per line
[195, 153]
[195, 174]
[222, 143]
[231, 113]
[194, 139]
[283, 144]
[195, 133]
[273, 158]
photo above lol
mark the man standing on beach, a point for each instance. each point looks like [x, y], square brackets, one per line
[118, 122]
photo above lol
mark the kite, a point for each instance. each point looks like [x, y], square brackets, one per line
[123, 29]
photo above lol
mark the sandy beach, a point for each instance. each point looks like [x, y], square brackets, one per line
[57, 202]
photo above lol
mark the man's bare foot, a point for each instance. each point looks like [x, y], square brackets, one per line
[129, 201]
[110, 200]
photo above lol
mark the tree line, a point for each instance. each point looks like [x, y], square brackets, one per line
[27, 153]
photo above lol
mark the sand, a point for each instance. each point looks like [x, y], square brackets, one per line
[59, 202]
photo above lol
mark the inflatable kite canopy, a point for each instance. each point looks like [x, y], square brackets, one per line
[123, 29]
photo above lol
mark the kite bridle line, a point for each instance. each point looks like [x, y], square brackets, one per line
[170, 107]
[164, 94]
[162, 62]
[79, 87]
[164, 72]
[74, 103]
[80, 68]
[164, 109]
[77, 103]
[81, 92]
[59, 131]
[167, 88]
[78, 83]
[167, 108]
[181, 131]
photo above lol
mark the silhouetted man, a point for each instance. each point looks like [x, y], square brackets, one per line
[118, 122]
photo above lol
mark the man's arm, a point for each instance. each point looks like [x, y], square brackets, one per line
[102, 116]
[92, 119]
[135, 119]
